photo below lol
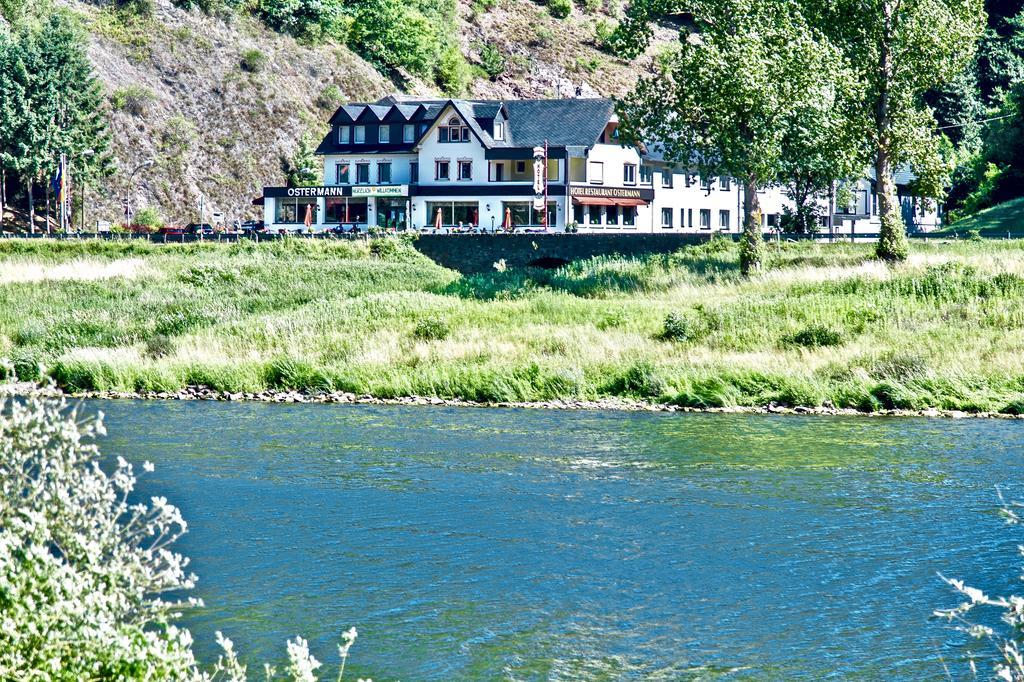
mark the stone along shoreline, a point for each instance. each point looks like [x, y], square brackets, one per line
[619, 404]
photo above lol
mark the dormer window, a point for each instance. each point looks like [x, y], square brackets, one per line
[384, 134]
[360, 135]
[344, 134]
[453, 131]
[408, 133]
[499, 130]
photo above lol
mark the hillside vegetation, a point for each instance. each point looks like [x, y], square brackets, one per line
[822, 325]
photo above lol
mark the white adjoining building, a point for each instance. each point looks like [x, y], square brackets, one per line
[460, 165]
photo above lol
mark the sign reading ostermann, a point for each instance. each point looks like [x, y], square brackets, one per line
[339, 191]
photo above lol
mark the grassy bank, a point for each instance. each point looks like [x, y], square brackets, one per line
[823, 325]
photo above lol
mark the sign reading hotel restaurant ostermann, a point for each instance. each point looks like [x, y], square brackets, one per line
[613, 192]
[338, 191]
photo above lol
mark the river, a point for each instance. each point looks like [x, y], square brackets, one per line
[483, 544]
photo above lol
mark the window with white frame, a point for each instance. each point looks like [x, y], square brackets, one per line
[666, 218]
[442, 169]
[646, 175]
[682, 217]
[629, 173]
[362, 173]
[725, 183]
[408, 133]
[360, 134]
[342, 173]
[384, 134]
[666, 178]
[344, 134]
[384, 172]
[596, 173]
[499, 130]
[723, 220]
[705, 219]
[465, 170]
[454, 130]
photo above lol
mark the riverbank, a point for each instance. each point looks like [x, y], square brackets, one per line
[823, 328]
[614, 404]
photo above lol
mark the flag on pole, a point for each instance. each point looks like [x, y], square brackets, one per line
[61, 189]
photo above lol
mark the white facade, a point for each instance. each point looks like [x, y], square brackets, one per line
[459, 176]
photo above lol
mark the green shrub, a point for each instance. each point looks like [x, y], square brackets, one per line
[560, 9]
[611, 320]
[1015, 406]
[899, 366]
[592, 6]
[314, 20]
[542, 37]
[395, 34]
[973, 235]
[331, 97]
[453, 72]
[603, 31]
[149, 217]
[492, 61]
[253, 61]
[159, 346]
[814, 336]
[431, 329]
[26, 365]
[294, 373]
[682, 327]
[641, 379]
[133, 99]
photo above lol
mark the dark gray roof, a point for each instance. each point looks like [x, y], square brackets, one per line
[903, 176]
[561, 122]
[531, 123]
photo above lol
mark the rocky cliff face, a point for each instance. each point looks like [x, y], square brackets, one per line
[221, 103]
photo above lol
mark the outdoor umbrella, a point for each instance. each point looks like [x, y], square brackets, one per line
[308, 222]
[438, 220]
[507, 225]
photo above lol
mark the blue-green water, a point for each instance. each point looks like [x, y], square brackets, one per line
[471, 544]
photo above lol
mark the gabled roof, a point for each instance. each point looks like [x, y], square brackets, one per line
[560, 122]
[531, 123]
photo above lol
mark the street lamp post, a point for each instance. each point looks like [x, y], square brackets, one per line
[128, 198]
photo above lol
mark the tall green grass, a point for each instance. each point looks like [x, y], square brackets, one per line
[824, 324]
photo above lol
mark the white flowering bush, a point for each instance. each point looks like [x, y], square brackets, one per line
[1009, 663]
[84, 574]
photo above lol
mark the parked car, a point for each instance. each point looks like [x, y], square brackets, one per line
[172, 231]
[199, 228]
[252, 226]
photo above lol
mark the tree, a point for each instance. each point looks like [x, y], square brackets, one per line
[51, 104]
[818, 151]
[727, 99]
[12, 110]
[899, 50]
[91, 580]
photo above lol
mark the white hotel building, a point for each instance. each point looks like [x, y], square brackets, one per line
[469, 165]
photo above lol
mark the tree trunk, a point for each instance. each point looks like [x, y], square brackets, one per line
[3, 193]
[892, 239]
[47, 207]
[31, 208]
[750, 242]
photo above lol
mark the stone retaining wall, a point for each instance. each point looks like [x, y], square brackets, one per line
[469, 253]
